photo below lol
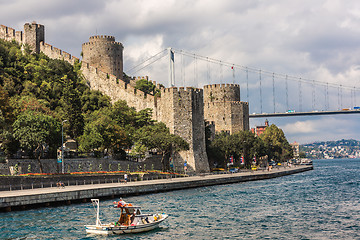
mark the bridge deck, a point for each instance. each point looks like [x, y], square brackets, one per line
[293, 114]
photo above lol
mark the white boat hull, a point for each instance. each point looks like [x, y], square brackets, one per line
[110, 229]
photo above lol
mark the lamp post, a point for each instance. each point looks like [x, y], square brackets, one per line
[62, 146]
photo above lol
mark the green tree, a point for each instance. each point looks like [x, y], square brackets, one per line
[145, 86]
[278, 147]
[94, 100]
[102, 133]
[158, 137]
[72, 107]
[240, 144]
[302, 154]
[225, 145]
[248, 146]
[37, 132]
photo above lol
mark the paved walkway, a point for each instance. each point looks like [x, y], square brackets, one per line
[210, 177]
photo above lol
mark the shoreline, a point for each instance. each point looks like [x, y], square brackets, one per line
[45, 197]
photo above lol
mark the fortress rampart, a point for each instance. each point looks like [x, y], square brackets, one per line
[10, 34]
[117, 89]
[183, 110]
[55, 53]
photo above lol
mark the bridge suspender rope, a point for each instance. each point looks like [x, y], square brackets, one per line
[134, 69]
[287, 94]
[194, 68]
[182, 68]
[208, 70]
[247, 84]
[355, 97]
[300, 96]
[338, 98]
[341, 105]
[233, 70]
[327, 97]
[313, 95]
[273, 82]
[260, 91]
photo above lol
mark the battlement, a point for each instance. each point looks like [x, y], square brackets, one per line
[102, 37]
[7, 30]
[230, 102]
[141, 77]
[221, 92]
[94, 43]
[217, 86]
[57, 53]
[9, 34]
[182, 89]
[33, 24]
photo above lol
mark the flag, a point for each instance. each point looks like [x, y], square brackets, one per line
[171, 55]
[242, 160]
[233, 73]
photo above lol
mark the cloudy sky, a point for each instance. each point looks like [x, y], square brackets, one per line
[317, 41]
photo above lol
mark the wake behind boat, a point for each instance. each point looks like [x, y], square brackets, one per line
[131, 220]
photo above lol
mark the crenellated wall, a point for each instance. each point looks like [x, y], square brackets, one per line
[33, 35]
[10, 34]
[55, 53]
[117, 89]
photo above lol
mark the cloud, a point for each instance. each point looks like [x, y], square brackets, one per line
[322, 129]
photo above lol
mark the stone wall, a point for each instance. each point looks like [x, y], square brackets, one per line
[33, 35]
[56, 53]
[78, 165]
[105, 54]
[10, 34]
[222, 106]
[182, 110]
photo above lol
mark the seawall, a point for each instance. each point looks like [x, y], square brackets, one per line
[24, 199]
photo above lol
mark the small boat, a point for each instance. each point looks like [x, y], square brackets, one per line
[131, 220]
[306, 161]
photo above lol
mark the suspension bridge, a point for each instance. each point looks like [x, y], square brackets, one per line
[269, 94]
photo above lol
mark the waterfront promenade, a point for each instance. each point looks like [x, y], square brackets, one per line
[24, 199]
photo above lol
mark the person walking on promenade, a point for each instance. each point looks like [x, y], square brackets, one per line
[125, 177]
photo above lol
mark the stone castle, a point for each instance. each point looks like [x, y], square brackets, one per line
[183, 110]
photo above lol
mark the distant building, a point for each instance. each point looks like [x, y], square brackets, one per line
[258, 130]
[296, 149]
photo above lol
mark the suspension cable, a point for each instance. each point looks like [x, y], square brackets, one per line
[134, 67]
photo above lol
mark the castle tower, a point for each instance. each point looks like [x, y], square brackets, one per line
[183, 113]
[34, 34]
[222, 105]
[105, 54]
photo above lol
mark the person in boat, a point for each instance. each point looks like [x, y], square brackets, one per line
[127, 215]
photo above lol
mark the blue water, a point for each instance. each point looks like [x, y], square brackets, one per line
[319, 204]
